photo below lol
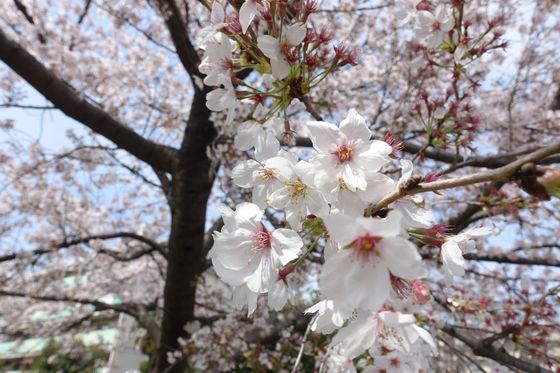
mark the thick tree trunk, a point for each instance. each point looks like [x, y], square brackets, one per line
[191, 186]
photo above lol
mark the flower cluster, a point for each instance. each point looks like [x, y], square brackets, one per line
[274, 39]
[446, 40]
[372, 274]
[372, 271]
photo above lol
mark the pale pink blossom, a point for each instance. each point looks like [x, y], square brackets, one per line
[346, 155]
[245, 252]
[452, 251]
[359, 273]
[275, 49]
[434, 27]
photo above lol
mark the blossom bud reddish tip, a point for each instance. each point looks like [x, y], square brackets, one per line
[423, 5]
[285, 271]
[420, 292]
[432, 176]
[310, 6]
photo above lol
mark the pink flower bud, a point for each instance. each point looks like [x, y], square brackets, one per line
[266, 16]
[323, 36]
[234, 26]
[423, 5]
[311, 61]
[420, 292]
[285, 271]
[309, 36]
[296, 7]
[432, 176]
[258, 98]
[340, 51]
[449, 92]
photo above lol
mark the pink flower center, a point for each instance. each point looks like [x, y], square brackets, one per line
[366, 243]
[267, 174]
[366, 246]
[262, 240]
[227, 64]
[285, 48]
[436, 26]
[343, 153]
[420, 292]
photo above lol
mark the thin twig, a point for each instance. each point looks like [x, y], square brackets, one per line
[502, 174]
[300, 353]
[462, 355]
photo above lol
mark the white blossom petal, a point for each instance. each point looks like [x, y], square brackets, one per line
[323, 135]
[247, 13]
[269, 46]
[354, 126]
[452, 258]
[287, 244]
[296, 33]
[402, 258]
[280, 67]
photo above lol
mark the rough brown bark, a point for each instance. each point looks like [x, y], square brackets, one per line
[191, 186]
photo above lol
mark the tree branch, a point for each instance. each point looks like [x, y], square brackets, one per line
[84, 12]
[502, 174]
[138, 311]
[180, 37]
[512, 260]
[71, 103]
[463, 219]
[485, 348]
[32, 107]
[23, 9]
[154, 246]
[190, 190]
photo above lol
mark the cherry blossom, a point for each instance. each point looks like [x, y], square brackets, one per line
[452, 251]
[249, 132]
[346, 154]
[359, 274]
[276, 49]
[217, 64]
[405, 11]
[245, 252]
[297, 197]
[262, 173]
[328, 317]
[434, 27]
[151, 174]
[223, 98]
[217, 18]
[396, 329]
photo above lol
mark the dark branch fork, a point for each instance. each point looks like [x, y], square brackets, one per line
[74, 105]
